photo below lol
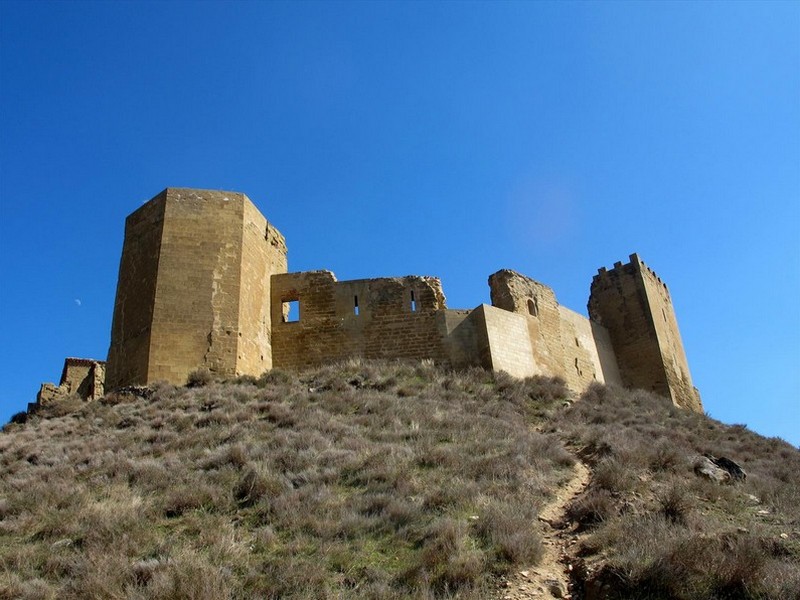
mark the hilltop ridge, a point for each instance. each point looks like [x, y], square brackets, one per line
[389, 480]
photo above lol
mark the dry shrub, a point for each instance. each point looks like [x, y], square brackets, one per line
[19, 418]
[115, 398]
[592, 507]
[256, 484]
[187, 497]
[666, 456]
[506, 530]
[60, 407]
[612, 475]
[275, 377]
[188, 575]
[13, 587]
[676, 503]
[448, 560]
[200, 377]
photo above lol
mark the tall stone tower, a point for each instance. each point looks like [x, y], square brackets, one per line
[194, 289]
[634, 305]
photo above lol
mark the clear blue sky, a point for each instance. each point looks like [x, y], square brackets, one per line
[449, 139]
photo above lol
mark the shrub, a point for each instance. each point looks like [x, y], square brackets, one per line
[19, 418]
[448, 560]
[255, 485]
[592, 507]
[199, 378]
[610, 474]
[675, 503]
[507, 530]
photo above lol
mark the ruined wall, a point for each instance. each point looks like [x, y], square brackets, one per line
[204, 266]
[634, 305]
[83, 377]
[537, 302]
[369, 318]
[562, 342]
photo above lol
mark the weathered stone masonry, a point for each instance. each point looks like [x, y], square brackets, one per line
[203, 282]
[81, 377]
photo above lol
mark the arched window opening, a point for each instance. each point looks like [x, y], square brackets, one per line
[533, 307]
[413, 302]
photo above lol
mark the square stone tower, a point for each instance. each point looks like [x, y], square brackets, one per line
[634, 305]
[194, 289]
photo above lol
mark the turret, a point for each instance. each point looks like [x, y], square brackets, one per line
[634, 305]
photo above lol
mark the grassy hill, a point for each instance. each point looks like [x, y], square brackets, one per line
[372, 480]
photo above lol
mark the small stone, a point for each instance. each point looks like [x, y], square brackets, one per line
[62, 543]
[554, 587]
[524, 573]
[762, 512]
[784, 536]
[742, 530]
[474, 517]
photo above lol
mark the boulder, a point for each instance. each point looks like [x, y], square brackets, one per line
[736, 472]
[704, 467]
[721, 470]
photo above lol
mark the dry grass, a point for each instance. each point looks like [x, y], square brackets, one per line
[371, 480]
[656, 530]
[359, 480]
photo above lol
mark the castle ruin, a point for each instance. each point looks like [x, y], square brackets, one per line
[203, 282]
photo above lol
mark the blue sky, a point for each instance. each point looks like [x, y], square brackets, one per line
[448, 139]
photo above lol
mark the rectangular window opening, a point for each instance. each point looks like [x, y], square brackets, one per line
[413, 302]
[355, 305]
[291, 311]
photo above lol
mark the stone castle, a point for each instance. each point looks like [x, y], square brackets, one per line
[203, 283]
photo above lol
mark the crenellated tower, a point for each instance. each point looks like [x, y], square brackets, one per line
[634, 305]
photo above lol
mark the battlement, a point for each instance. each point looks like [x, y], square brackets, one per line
[635, 265]
[203, 282]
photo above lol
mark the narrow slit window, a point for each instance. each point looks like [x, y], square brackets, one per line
[533, 307]
[291, 311]
[413, 302]
[355, 305]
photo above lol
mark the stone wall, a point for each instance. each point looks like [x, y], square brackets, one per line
[509, 342]
[129, 352]
[634, 305]
[370, 318]
[562, 342]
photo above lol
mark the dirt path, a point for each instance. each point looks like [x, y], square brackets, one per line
[550, 578]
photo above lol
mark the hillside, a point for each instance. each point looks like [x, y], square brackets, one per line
[372, 480]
